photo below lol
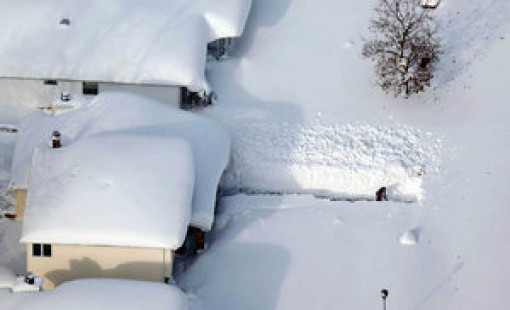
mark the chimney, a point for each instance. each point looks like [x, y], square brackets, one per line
[55, 140]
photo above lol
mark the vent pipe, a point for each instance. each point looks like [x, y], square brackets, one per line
[55, 140]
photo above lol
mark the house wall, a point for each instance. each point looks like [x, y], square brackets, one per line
[70, 262]
[26, 93]
[34, 93]
[21, 197]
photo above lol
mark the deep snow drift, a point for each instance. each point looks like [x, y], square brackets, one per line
[111, 190]
[449, 251]
[132, 114]
[150, 42]
[100, 294]
[297, 252]
[349, 162]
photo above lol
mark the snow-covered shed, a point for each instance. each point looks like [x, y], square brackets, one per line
[108, 205]
[153, 47]
[121, 112]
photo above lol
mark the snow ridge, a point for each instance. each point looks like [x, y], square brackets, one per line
[348, 160]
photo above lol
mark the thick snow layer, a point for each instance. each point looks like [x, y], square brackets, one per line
[6, 150]
[110, 112]
[100, 294]
[450, 251]
[12, 253]
[7, 277]
[350, 161]
[152, 41]
[304, 115]
[111, 189]
[314, 254]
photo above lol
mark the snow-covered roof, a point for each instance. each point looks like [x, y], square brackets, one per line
[124, 41]
[111, 189]
[107, 112]
[107, 294]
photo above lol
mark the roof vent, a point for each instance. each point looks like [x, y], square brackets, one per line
[65, 96]
[55, 140]
[65, 22]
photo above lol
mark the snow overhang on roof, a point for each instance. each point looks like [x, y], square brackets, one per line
[123, 41]
[111, 190]
[133, 114]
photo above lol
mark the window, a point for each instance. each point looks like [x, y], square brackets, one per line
[36, 250]
[47, 250]
[90, 88]
[41, 250]
[50, 82]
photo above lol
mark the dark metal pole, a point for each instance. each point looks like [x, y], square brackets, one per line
[384, 295]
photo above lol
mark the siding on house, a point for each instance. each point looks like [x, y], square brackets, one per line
[42, 94]
[21, 197]
[70, 262]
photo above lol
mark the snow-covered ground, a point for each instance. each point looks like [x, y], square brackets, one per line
[305, 117]
[301, 62]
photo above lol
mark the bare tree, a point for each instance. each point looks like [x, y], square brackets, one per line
[404, 46]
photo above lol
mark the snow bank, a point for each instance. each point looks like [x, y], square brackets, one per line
[12, 253]
[151, 42]
[111, 112]
[100, 294]
[6, 149]
[350, 161]
[7, 277]
[111, 189]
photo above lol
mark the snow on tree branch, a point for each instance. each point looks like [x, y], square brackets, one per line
[404, 46]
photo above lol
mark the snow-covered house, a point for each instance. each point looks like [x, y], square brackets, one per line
[109, 205]
[134, 114]
[153, 47]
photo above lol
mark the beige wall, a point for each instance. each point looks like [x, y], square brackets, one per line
[21, 197]
[69, 262]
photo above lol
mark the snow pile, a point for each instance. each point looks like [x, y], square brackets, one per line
[6, 149]
[112, 112]
[7, 277]
[12, 253]
[151, 42]
[111, 189]
[100, 294]
[350, 161]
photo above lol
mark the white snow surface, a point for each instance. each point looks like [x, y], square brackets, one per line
[300, 61]
[350, 161]
[104, 294]
[111, 189]
[111, 112]
[7, 277]
[150, 42]
[6, 142]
